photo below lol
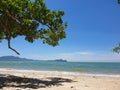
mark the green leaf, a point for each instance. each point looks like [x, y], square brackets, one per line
[31, 19]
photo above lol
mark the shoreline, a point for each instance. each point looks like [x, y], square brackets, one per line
[12, 79]
[66, 73]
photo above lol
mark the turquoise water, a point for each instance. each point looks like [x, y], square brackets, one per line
[82, 67]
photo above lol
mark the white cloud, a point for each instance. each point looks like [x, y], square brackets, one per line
[81, 53]
[91, 56]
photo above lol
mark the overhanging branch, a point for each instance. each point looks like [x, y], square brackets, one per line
[14, 18]
[4, 27]
[6, 31]
[9, 46]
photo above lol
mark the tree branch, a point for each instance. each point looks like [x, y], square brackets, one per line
[6, 31]
[9, 46]
[14, 18]
[3, 26]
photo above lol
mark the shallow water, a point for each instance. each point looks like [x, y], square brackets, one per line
[79, 67]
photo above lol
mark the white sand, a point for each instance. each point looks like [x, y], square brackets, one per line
[28, 80]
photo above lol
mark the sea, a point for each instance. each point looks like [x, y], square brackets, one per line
[96, 68]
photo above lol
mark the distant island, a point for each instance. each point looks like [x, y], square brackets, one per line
[6, 58]
[14, 58]
[59, 60]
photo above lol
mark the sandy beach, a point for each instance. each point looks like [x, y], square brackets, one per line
[23, 80]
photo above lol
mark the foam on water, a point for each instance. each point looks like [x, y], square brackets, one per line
[58, 73]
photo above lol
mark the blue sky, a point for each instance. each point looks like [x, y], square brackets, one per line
[93, 31]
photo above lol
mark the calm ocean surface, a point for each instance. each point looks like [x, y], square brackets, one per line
[81, 67]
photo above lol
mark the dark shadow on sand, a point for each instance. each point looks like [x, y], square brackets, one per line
[23, 82]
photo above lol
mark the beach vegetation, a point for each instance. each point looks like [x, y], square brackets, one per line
[32, 20]
[118, 1]
[117, 49]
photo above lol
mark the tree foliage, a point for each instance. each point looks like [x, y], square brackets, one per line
[117, 49]
[118, 1]
[31, 19]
